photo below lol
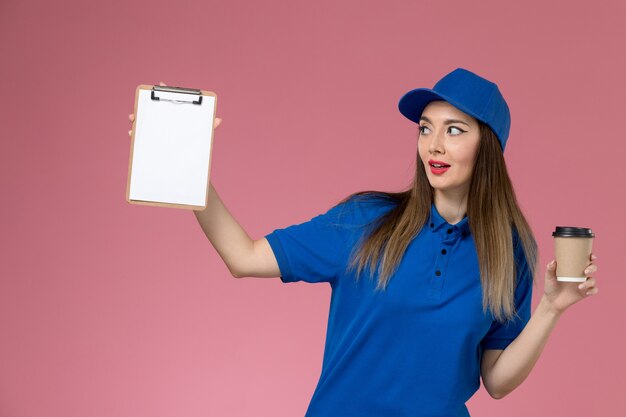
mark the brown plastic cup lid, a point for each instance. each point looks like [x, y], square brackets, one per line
[566, 231]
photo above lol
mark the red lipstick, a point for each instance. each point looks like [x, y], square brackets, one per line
[440, 169]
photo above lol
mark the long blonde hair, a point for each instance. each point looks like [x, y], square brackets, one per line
[493, 215]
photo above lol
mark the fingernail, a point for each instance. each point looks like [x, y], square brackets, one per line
[581, 286]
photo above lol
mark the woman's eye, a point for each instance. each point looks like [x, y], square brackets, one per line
[455, 130]
[422, 128]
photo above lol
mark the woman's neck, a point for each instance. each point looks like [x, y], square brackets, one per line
[452, 206]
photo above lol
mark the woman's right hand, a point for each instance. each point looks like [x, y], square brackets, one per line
[131, 117]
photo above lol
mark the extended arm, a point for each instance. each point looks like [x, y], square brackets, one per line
[504, 370]
[243, 256]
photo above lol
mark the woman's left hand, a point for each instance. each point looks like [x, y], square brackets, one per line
[561, 295]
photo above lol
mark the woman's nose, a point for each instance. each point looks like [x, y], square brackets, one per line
[437, 142]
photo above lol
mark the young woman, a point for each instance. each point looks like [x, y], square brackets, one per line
[431, 287]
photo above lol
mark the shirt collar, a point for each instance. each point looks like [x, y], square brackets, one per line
[436, 222]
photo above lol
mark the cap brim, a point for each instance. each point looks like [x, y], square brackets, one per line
[413, 103]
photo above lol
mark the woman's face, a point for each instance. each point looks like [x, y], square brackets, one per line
[449, 136]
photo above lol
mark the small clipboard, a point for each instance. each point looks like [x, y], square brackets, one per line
[171, 146]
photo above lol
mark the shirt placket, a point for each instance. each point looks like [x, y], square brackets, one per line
[450, 237]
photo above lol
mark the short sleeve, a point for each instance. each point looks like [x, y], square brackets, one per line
[313, 251]
[500, 335]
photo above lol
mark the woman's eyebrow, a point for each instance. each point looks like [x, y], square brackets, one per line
[447, 122]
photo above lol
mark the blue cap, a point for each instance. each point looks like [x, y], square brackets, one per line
[468, 92]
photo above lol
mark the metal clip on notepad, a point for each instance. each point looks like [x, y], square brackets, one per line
[176, 94]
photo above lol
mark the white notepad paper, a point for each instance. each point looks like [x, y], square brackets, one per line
[171, 150]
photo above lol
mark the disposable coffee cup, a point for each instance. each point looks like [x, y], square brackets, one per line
[572, 249]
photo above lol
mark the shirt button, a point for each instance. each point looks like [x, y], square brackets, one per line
[438, 273]
[443, 251]
[449, 231]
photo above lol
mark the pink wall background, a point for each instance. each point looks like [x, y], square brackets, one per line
[111, 309]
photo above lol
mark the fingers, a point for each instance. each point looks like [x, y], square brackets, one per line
[162, 84]
[551, 272]
[589, 286]
[591, 282]
[591, 269]
[131, 117]
[217, 122]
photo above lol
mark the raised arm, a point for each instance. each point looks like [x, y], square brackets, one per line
[243, 256]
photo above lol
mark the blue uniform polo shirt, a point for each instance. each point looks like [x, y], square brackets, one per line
[414, 349]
